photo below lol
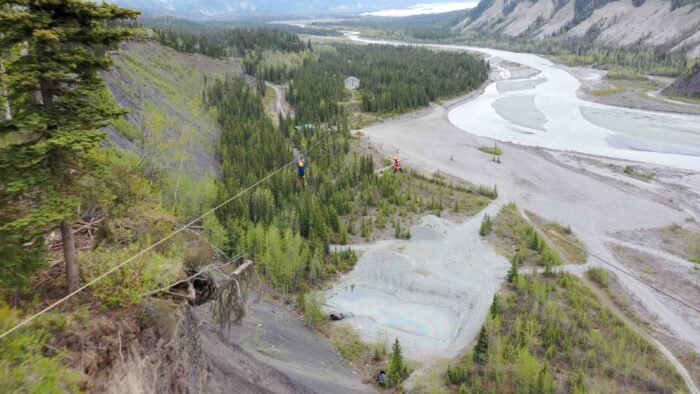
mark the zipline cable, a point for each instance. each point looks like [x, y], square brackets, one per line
[144, 251]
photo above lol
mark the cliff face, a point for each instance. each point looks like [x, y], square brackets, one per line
[669, 25]
[687, 84]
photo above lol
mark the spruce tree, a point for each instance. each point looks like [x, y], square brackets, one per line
[495, 306]
[54, 90]
[482, 347]
[397, 371]
[512, 272]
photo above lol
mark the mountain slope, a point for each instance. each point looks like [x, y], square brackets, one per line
[167, 128]
[668, 25]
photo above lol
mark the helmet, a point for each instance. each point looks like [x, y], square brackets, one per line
[396, 157]
[301, 163]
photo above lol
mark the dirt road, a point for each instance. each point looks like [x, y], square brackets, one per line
[279, 98]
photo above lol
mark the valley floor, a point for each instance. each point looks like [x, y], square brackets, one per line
[592, 194]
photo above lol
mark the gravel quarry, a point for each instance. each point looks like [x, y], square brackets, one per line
[431, 292]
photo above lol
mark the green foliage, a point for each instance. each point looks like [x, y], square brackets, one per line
[585, 51]
[482, 347]
[486, 226]
[457, 375]
[562, 237]
[397, 370]
[401, 78]
[19, 262]
[311, 303]
[353, 349]
[625, 73]
[512, 274]
[599, 276]
[136, 218]
[225, 42]
[488, 191]
[55, 98]
[629, 170]
[172, 134]
[26, 364]
[521, 240]
[492, 150]
[551, 334]
[315, 91]
[215, 232]
[287, 227]
[278, 66]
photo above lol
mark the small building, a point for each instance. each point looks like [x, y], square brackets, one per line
[352, 83]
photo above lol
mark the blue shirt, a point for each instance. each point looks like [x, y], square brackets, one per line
[301, 169]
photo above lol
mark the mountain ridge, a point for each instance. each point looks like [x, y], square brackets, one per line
[668, 25]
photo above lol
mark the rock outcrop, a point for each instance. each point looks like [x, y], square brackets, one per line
[687, 84]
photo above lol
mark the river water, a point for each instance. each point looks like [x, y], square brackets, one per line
[543, 110]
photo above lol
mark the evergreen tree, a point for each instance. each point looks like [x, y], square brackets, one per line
[512, 274]
[54, 90]
[482, 347]
[495, 306]
[397, 371]
[485, 228]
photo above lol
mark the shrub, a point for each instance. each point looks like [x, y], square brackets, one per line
[25, 363]
[493, 150]
[599, 276]
[311, 303]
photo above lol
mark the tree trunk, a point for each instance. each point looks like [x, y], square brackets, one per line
[6, 113]
[46, 91]
[72, 265]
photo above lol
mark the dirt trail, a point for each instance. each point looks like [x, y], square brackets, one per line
[279, 98]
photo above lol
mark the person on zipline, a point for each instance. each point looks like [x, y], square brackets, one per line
[301, 171]
[396, 164]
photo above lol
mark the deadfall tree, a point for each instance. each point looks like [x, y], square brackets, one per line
[53, 88]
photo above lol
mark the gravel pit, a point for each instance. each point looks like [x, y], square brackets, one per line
[432, 292]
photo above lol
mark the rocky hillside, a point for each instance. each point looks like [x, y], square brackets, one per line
[162, 90]
[687, 85]
[672, 25]
[172, 136]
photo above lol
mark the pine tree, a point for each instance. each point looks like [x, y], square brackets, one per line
[482, 347]
[397, 371]
[512, 274]
[54, 90]
[495, 306]
[485, 228]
